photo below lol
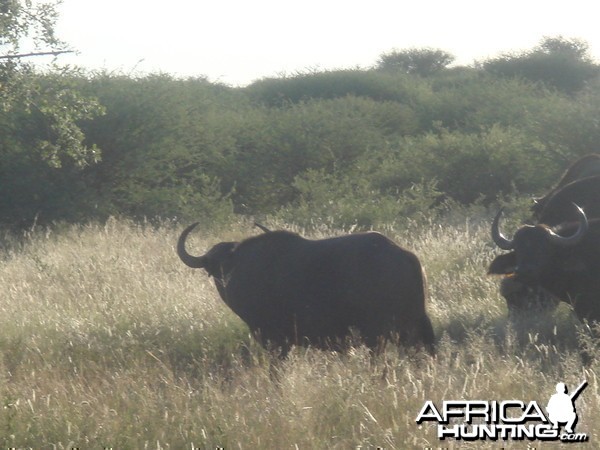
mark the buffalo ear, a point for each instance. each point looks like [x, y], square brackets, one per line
[503, 264]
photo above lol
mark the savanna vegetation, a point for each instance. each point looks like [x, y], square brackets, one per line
[107, 340]
[402, 139]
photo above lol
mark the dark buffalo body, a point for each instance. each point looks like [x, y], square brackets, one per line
[558, 207]
[584, 167]
[291, 290]
[563, 260]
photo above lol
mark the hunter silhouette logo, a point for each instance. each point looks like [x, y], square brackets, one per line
[472, 420]
[561, 407]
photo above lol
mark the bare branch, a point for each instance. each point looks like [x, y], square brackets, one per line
[26, 55]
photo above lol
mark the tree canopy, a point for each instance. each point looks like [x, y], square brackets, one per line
[418, 61]
[46, 104]
[561, 63]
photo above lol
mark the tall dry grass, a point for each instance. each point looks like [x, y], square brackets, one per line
[107, 340]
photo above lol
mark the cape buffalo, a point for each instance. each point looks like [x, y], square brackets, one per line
[564, 260]
[294, 291]
[558, 209]
[584, 167]
[579, 184]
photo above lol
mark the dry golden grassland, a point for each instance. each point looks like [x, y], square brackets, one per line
[108, 340]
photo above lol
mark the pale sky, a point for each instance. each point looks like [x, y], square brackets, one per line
[239, 41]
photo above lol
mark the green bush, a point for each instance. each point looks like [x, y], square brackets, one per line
[352, 202]
[559, 63]
[376, 85]
[360, 140]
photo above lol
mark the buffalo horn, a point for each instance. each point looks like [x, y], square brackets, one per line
[498, 237]
[262, 227]
[195, 262]
[566, 241]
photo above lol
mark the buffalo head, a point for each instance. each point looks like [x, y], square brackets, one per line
[534, 249]
[216, 261]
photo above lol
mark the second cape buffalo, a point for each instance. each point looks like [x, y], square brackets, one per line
[563, 260]
[579, 184]
[294, 291]
[584, 167]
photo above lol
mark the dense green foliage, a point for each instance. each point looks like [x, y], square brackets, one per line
[422, 62]
[41, 143]
[349, 147]
[561, 63]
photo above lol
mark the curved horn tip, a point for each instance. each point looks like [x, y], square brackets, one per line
[192, 226]
[196, 262]
[579, 208]
[262, 227]
[497, 236]
[579, 234]
[582, 216]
